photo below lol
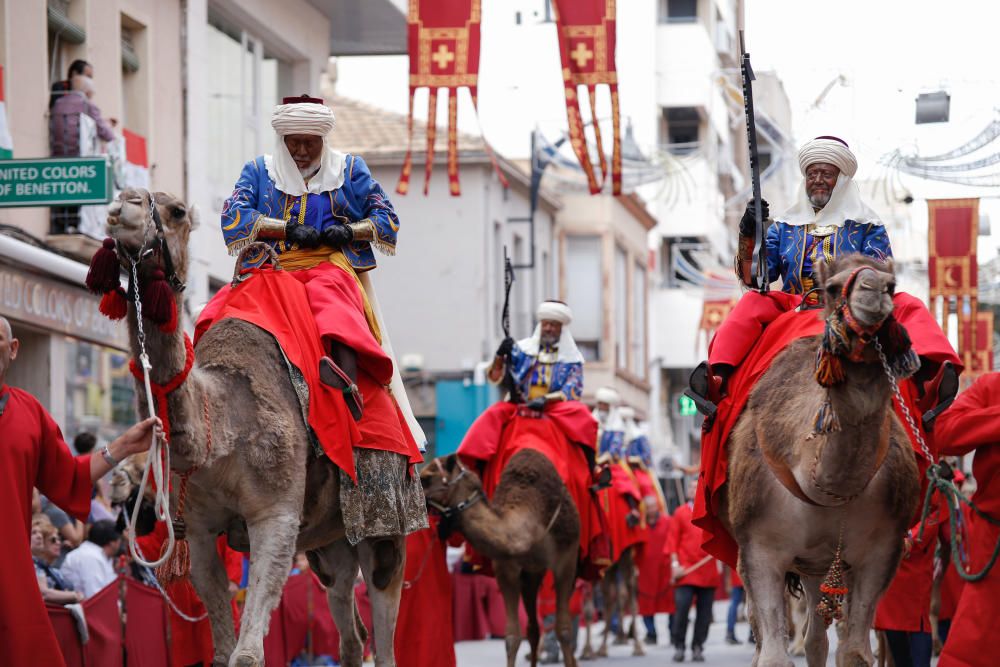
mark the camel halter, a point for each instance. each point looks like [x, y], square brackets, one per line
[446, 511]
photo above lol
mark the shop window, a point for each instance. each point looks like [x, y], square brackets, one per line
[584, 292]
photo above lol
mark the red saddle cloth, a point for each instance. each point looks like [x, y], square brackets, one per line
[500, 433]
[787, 328]
[279, 302]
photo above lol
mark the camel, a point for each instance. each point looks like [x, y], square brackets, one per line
[620, 593]
[529, 527]
[237, 420]
[861, 481]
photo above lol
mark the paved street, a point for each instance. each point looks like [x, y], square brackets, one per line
[490, 653]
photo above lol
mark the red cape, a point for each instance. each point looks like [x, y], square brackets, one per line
[424, 631]
[616, 510]
[278, 302]
[656, 594]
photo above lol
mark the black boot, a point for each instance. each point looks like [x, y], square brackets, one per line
[340, 371]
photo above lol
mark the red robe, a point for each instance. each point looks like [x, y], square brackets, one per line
[656, 594]
[499, 433]
[615, 505]
[33, 454]
[684, 541]
[190, 642]
[424, 631]
[301, 309]
[973, 423]
[906, 604]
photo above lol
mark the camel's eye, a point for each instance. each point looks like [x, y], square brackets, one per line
[177, 212]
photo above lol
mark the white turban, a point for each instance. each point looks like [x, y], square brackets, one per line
[607, 395]
[310, 118]
[830, 150]
[845, 199]
[554, 311]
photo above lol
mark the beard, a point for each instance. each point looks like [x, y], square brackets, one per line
[820, 199]
[549, 340]
[309, 171]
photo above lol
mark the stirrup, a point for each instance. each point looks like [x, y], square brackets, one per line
[945, 387]
[334, 376]
[699, 388]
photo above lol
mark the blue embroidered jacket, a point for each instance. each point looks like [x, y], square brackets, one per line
[640, 449]
[792, 252]
[359, 198]
[612, 442]
[564, 377]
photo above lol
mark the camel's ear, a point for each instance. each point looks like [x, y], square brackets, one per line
[450, 462]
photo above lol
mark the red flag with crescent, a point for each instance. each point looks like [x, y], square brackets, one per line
[952, 228]
[587, 48]
[976, 345]
[443, 40]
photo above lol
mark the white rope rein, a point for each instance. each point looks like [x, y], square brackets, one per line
[155, 461]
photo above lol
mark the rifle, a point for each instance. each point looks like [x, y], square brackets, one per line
[758, 262]
[508, 280]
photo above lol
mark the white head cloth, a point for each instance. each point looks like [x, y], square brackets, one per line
[845, 200]
[554, 311]
[607, 395]
[304, 118]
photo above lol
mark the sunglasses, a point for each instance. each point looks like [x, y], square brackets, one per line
[53, 540]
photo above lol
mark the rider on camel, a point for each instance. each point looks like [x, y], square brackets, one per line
[828, 220]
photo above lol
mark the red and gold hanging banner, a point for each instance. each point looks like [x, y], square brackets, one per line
[443, 37]
[952, 228]
[976, 345]
[713, 312]
[587, 48]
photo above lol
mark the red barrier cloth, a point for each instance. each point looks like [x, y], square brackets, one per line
[146, 627]
[952, 230]
[586, 30]
[443, 41]
[299, 308]
[615, 506]
[499, 433]
[425, 627]
[478, 607]
[67, 639]
[905, 605]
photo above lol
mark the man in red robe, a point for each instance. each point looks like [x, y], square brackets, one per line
[34, 454]
[972, 423]
[695, 574]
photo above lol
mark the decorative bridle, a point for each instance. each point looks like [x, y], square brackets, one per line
[448, 512]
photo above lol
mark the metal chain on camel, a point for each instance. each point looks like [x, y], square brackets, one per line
[158, 459]
[952, 496]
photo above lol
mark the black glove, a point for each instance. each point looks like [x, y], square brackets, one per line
[632, 519]
[505, 347]
[303, 235]
[747, 223]
[337, 236]
[537, 404]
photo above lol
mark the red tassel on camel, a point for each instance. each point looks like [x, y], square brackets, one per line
[158, 302]
[102, 277]
[114, 305]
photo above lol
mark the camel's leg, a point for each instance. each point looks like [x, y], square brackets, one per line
[632, 604]
[509, 579]
[765, 579]
[530, 583]
[866, 582]
[565, 578]
[609, 591]
[589, 612]
[382, 563]
[212, 585]
[336, 565]
[272, 545]
[816, 643]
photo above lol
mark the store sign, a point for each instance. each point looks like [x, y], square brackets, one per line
[55, 306]
[55, 181]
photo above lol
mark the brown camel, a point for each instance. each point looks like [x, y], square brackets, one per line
[620, 594]
[237, 419]
[861, 481]
[529, 527]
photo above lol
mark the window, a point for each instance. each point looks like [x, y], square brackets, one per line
[638, 337]
[100, 391]
[677, 11]
[679, 128]
[621, 308]
[584, 293]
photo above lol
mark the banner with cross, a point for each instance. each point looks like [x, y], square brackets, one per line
[443, 40]
[586, 31]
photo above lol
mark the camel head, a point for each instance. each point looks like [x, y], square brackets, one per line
[137, 228]
[126, 477]
[448, 484]
[861, 287]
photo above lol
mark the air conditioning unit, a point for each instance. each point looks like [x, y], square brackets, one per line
[933, 107]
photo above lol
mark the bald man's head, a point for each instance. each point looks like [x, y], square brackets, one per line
[8, 347]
